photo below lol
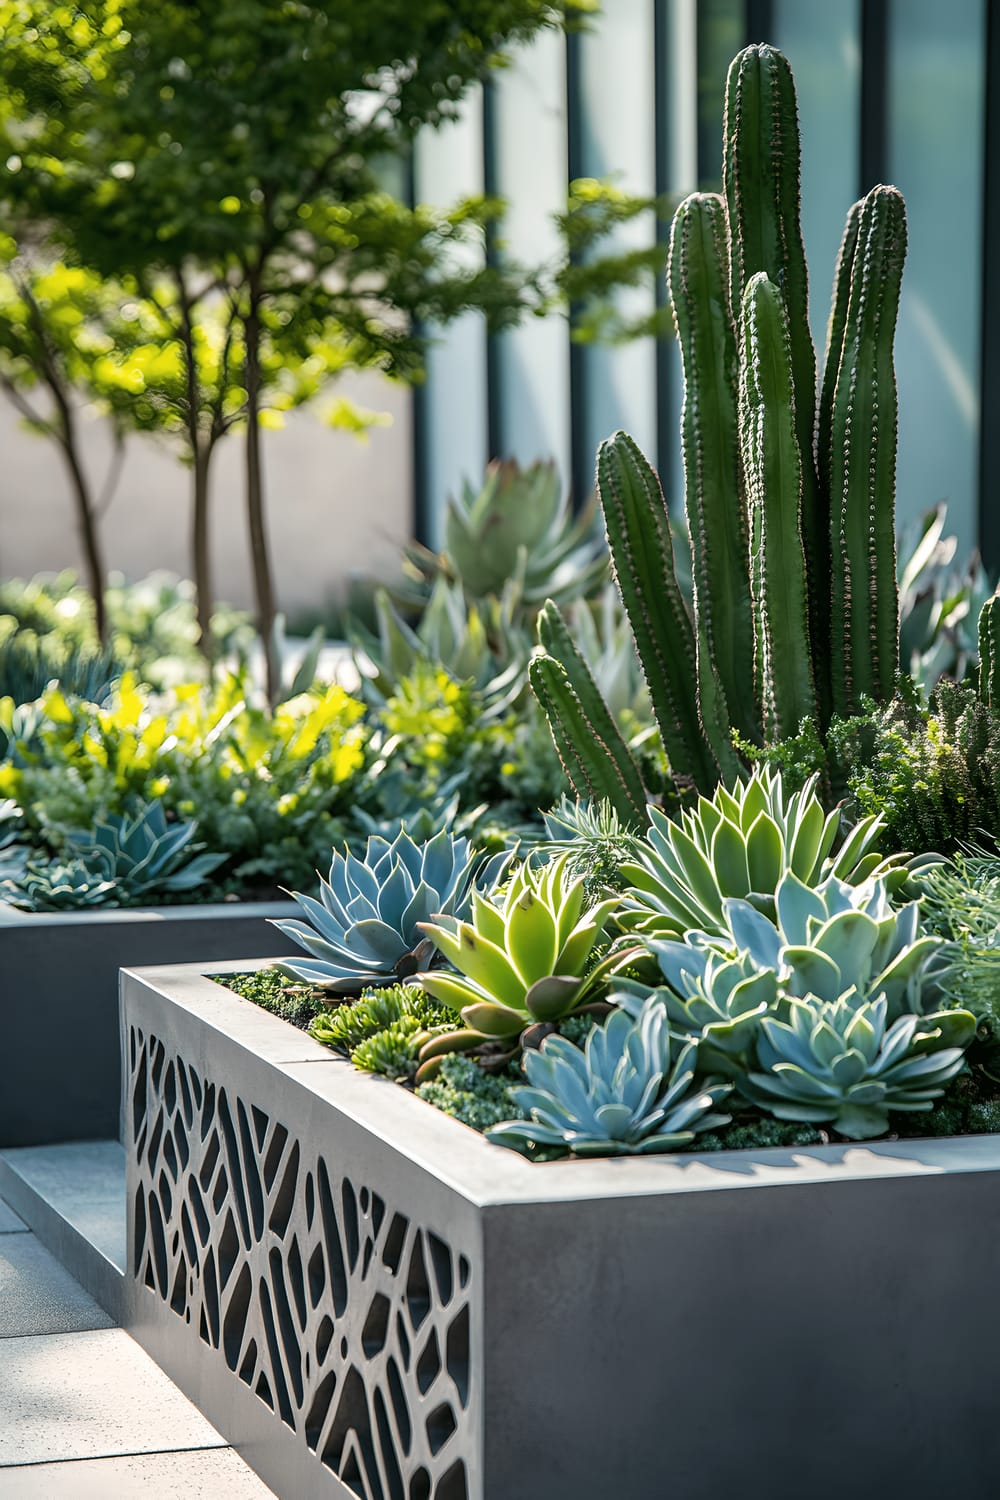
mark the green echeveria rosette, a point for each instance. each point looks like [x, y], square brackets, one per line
[525, 958]
[366, 927]
[630, 1091]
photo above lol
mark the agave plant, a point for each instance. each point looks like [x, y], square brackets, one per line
[58, 885]
[13, 854]
[518, 532]
[526, 958]
[143, 854]
[631, 1090]
[739, 843]
[365, 929]
[939, 603]
[839, 1062]
[477, 644]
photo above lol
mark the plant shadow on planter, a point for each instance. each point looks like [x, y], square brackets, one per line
[370, 1300]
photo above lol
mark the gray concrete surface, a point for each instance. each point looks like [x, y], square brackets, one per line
[85, 1414]
[37, 1296]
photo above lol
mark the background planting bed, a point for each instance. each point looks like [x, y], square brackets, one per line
[369, 1300]
[60, 1070]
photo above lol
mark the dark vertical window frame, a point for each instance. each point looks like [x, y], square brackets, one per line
[989, 388]
[581, 458]
[758, 22]
[420, 439]
[495, 435]
[666, 435]
[873, 136]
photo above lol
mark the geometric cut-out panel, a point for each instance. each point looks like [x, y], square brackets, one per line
[345, 1317]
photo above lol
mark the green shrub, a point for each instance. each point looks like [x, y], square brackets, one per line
[933, 774]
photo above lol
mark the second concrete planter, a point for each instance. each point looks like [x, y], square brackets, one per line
[60, 1070]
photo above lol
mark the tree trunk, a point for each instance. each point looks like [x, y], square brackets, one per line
[201, 447]
[86, 519]
[262, 575]
[201, 558]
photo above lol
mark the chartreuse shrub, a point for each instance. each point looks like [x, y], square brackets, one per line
[789, 483]
[272, 791]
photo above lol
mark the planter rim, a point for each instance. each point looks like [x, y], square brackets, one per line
[187, 912]
[490, 1175]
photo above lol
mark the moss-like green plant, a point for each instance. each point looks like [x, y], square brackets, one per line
[270, 990]
[480, 1100]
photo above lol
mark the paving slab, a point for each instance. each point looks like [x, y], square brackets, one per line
[209, 1474]
[9, 1222]
[90, 1395]
[84, 1181]
[37, 1296]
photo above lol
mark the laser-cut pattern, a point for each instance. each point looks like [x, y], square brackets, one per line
[350, 1321]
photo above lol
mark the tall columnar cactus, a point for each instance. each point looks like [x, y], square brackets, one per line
[789, 499]
[989, 653]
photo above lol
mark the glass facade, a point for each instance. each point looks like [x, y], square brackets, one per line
[891, 90]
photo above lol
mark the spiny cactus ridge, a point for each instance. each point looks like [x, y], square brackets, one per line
[789, 498]
[989, 653]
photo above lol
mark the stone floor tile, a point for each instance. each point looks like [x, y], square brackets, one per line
[90, 1395]
[212, 1474]
[9, 1222]
[37, 1296]
[84, 1181]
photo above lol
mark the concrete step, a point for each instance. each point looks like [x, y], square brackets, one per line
[73, 1196]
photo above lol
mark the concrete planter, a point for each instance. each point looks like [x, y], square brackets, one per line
[369, 1300]
[60, 1069]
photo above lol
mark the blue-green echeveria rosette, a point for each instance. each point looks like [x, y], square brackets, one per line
[631, 1090]
[364, 928]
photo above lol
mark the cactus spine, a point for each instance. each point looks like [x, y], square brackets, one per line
[789, 501]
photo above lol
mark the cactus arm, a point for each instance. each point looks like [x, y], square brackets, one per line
[773, 467]
[556, 641]
[643, 559]
[835, 341]
[865, 608]
[592, 766]
[698, 281]
[761, 163]
[761, 168]
[989, 653]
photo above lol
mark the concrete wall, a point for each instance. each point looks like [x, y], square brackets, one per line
[337, 504]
